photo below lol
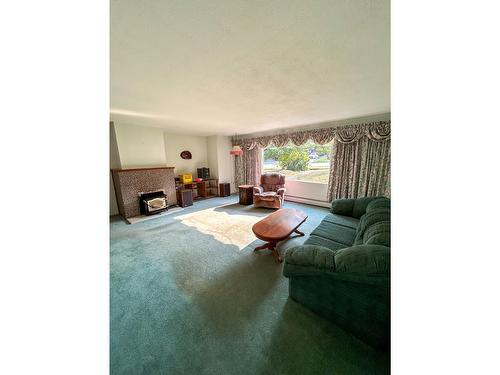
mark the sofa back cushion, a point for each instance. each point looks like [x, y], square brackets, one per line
[360, 205]
[370, 218]
[381, 202]
[356, 207]
[342, 207]
[378, 234]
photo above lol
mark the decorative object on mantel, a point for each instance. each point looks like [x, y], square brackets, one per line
[186, 155]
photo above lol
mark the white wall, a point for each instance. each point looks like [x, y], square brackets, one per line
[220, 162]
[307, 192]
[140, 146]
[114, 162]
[175, 144]
[212, 156]
[225, 161]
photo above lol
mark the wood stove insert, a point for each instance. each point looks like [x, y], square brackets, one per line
[153, 202]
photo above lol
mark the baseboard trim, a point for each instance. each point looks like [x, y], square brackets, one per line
[313, 202]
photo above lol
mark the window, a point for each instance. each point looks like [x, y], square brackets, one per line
[309, 162]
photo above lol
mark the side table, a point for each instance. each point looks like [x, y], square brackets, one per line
[246, 194]
[184, 197]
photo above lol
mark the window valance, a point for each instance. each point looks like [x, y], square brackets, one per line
[376, 131]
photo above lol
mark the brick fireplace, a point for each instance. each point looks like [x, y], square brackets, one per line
[130, 184]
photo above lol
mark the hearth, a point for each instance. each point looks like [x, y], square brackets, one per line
[153, 202]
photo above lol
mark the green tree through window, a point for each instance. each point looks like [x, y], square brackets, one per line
[309, 162]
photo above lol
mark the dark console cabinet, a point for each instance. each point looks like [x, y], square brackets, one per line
[224, 189]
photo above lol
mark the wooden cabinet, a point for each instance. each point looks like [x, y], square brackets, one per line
[208, 188]
[224, 189]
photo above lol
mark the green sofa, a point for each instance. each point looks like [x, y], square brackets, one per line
[342, 271]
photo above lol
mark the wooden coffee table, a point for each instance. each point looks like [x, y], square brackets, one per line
[278, 227]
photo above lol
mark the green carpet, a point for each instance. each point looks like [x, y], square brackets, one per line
[190, 297]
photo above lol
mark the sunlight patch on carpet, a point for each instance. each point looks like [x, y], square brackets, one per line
[231, 229]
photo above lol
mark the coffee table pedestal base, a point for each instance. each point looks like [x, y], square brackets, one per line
[272, 246]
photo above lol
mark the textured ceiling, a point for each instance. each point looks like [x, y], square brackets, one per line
[220, 67]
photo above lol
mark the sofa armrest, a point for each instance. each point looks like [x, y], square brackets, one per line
[364, 259]
[258, 190]
[281, 192]
[343, 207]
[308, 259]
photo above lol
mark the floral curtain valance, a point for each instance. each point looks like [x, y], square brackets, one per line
[376, 131]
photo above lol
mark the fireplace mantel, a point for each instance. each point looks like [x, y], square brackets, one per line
[129, 183]
[139, 169]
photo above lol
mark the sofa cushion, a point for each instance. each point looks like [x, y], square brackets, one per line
[325, 242]
[381, 202]
[335, 232]
[370, 218]
[378, 234]
[345, 221]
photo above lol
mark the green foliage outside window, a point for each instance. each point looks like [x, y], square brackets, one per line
[308, 162]
[294, 160]
[323, 151]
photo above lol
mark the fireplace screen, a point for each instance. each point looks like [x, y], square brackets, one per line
[152, 203]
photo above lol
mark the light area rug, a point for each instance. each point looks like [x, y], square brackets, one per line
[227, 228]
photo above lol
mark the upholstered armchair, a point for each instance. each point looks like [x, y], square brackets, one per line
[271, 192]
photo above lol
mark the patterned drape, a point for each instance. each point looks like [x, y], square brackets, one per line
[248, 167]
[320, 136]
[361, 162]
[361, 157]
[375, 130]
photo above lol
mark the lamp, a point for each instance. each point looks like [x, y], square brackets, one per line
[236, 151]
